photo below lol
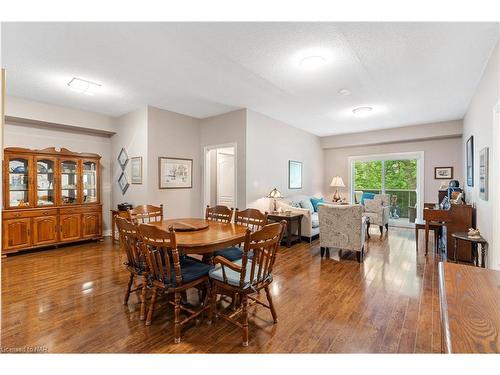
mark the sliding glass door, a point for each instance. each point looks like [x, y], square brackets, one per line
[398, 176]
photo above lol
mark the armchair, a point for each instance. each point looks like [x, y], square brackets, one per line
[342, 227]
[377, 209]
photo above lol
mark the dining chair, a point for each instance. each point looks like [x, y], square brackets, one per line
[136, 262]
[219, 213]
[171, 273]
[251, 218]
[247, 277]
[146, 213]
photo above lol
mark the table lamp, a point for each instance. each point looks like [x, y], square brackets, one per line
[337, 182]
[275, 194]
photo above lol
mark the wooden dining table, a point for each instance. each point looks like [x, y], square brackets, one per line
[200, 236]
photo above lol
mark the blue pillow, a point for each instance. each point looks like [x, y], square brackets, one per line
[315, 202]
[367, 196]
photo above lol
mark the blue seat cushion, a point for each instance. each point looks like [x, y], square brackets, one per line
[191, 269]
[233, 277]
[232, 253]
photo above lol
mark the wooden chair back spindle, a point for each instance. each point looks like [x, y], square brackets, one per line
[251, 218]
[218, 213]
[264, 244]
[130, 242]
[146, 213]
[160, 249]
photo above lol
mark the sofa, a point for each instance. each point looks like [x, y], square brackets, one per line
[343, 228]
[310, 220]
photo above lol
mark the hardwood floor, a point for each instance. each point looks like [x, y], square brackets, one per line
[70, 300]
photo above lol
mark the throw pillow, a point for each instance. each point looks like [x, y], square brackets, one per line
[295, 204]
[367, 196]
[315, 202]
[308, 205]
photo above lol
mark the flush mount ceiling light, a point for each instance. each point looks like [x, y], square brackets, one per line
[83, 86]
[344, 92]
[312, 62]
[362, 111]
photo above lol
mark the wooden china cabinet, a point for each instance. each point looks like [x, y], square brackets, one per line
[50, 197]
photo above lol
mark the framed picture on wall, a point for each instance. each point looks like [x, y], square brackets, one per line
[175, 173]
[483, 173]
[469, 148]
[123, 183]
[123, 158]
[443, 173]
[136, 169]
[294, 174]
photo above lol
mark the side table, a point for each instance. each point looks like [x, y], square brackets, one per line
[290, 238]
[462, 236]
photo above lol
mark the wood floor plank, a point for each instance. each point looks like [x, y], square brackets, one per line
[70, 300]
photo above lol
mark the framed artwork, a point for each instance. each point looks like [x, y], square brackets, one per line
[470, 160]
[294, 174]
[136, 170]
[175, 173]
[483, 173]
[443, 173]
[123, 182]
[123, 158]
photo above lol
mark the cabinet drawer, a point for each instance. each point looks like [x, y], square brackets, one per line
[79, 210]
[26, 214]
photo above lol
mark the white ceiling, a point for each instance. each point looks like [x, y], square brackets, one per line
[410, 73]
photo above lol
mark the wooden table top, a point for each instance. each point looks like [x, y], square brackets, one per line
[465, 237]
[215, 236]
[470, 308]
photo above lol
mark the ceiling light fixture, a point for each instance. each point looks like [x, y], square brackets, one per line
[344, 92]
[362, 111]
[312, 62]
[83, 86]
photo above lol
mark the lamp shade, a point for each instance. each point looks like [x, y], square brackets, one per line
[275, 193]
[337, 182]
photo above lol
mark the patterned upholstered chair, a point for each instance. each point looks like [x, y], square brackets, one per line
[377, 209]
[342, 227]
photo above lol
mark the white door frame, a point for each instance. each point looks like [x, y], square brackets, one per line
[206, 172]
[419, 155]
[493, 247]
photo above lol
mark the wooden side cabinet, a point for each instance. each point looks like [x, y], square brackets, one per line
[50, 197]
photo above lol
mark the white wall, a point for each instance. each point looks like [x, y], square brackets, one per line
[36, 138]
[174, 135]
[32, 110]
[229, 128]
[437, 153]
[132, 133]
[479, 122]
[270, 145]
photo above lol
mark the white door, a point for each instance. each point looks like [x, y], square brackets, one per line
[225, 179]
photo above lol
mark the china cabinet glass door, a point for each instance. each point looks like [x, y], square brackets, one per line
[89, 170]
[19, 181]
[69, 181]
[45, 182]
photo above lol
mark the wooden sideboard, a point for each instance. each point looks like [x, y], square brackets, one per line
[470, 309]
[50, 197]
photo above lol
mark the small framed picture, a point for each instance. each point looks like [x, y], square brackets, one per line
[175, 173]
[123, 182]
[136, 170]
[443, 173]
[294, 174]
[123, 158]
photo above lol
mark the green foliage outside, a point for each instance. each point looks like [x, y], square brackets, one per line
[399, 175]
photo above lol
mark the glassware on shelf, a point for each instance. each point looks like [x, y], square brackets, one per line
[19, 182]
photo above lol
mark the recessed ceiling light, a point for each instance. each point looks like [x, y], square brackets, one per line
[312, 62]
[344, 92]
[83, 86]
[362, 111]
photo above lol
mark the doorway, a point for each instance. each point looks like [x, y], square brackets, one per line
[220, 175]
[398, 175]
